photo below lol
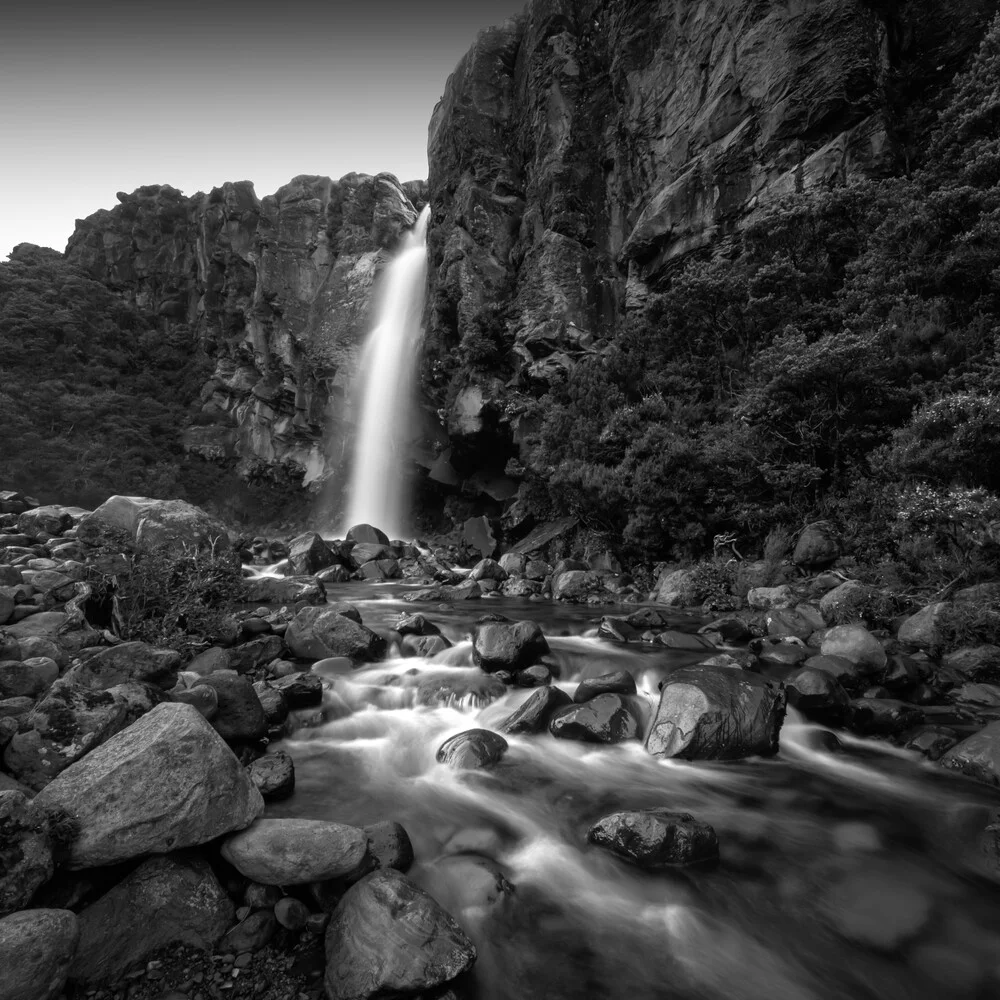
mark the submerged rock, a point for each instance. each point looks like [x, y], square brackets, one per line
[167, 782]
[165, 901]
[710, 713]
[606, 718]
[387, 937]
[656, 838]
[472, 750]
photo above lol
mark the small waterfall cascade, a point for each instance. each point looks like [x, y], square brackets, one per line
[384, 390]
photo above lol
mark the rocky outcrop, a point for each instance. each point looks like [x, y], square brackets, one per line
[582, 148]
[277, 290]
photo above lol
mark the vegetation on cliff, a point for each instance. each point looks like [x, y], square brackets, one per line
[838, 359]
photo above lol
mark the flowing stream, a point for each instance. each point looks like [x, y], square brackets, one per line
[377, 492]
[850, 870]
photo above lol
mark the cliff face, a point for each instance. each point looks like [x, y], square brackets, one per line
[584, 147]
[277, 289]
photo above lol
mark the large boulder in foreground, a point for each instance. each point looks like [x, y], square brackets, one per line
[25, 853]
[150, 523]
[166, 900]
[168, 781]
[504, 645]
[711, 713]
[656, 838]
[296, 851]
[387, 937]
[318, 633]
[978, 756]
[36, 949]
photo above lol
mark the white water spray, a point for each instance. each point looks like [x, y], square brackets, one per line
[384, 386]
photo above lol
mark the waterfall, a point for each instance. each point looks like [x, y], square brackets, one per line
[383, 392]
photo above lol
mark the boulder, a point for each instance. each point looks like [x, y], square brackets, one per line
[712, 713]
[291, 913]
[844, 671]
[882, 716]
[257, 653]
[301, 689]
[772, 598]
[25, 851]
[296, 851]
[817, 547]
[676, 589]
[978, 756]
[656, 838]
[389, 845]
[66, 724]
[507, 645]
[980, 664]
[488, 569]
[576, 585]
[308, 554]
[273, 702]
[250, 934]
[365, 534]
[285, 590]
[534, 714]
[202, 697]
[847, 602]
[536, 676]
[318, 633]
[789, 622]
[101, 668]
[424, 645]
[239, 715]
[472, 750]
[606, 718]
[614, 682]
[674, 639]
[416, 625]
[817, 695]
[857, 644]
[36, 950]
[167, 782]
[27, 678]
[150, 523]
[169, 900]
[922, 629]
[387, 937]
[274, 775]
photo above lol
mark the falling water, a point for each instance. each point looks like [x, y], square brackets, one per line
[384, 388]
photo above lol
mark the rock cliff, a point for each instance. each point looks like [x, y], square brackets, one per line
[278, 290]
[585, 146]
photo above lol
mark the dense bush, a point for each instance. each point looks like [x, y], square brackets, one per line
[835, 360]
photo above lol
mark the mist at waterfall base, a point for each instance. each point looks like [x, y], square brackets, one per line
[849, 869]
[383, 394]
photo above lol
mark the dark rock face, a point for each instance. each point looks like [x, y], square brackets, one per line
[615, 682]
[278, 287]
[25, 855]
[389, 845]
[580, 148]
[387, 937]
[709, 713]
[274, 775]
[36, 950]
[978, 756]
[506, 645]
[318, 633]
[656, 838]
[534, 715]
[473, 749]
[607, 718]
[240, 715]
[817, 694]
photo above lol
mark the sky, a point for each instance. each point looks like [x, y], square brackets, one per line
[101, 96]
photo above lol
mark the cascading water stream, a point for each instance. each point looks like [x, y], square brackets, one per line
[377, 493]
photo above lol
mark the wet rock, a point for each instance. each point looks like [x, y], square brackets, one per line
[300, 690]
[416, 625]
[457, 685]
[784, 652]
[507, 645]
[273, 702]
[274, 775]
[166, 901]
[882, 716]
[818, 546]
[708, 713]
[250, 934]
[166, 782]
[318, 633]
[388, 937]
[333, 574]
[976, 663]
[647, 618]
[295, 851]
[240, 715]
[576, 585]
[978, 756]
[520, 588]
[488, 569]
[250, 656]
[36, 949]
[875, 908]
[102, 668]
[533, 716]
[389, 845]
[656, 838]
[536, 676]
[65, 725]
[921, 629]
[285, 590]
[977, 694]
[857, 644]
[308, 554]
[606, 718]
[847, 673]
[424, 645]
[366, 534]
[673, 639]
[932, 741]
[617, 630]
[25, 852]
[472, 750]
[613, 682]
[817, 695]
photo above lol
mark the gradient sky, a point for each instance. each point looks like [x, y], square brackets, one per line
[102, 97]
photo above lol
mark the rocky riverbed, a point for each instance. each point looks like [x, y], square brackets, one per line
[388, 775]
